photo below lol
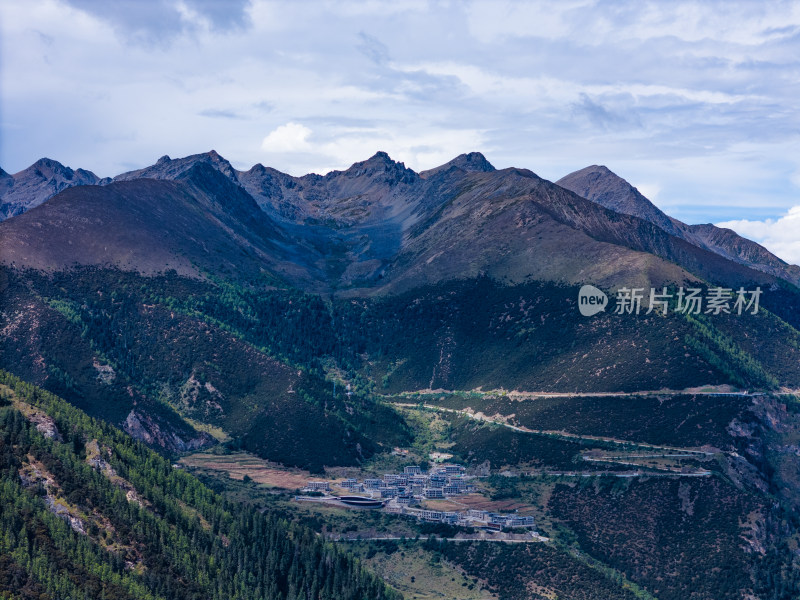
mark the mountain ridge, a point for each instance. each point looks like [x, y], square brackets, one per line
[358, 231]
[601, 185]
[367, 192]
[38, 183]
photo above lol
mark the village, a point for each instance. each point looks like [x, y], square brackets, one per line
[406, 494]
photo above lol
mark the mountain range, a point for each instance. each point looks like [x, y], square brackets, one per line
[362, 246]
[377, 226]
[322, 321]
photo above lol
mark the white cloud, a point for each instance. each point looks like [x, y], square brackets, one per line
[795, 178]
[594, 23]
[779, 236]
[492, 20]
[292, 137]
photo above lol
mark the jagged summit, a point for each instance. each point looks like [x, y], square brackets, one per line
[379, 165]
[34, 185]
[386, 197]
[472, 162]
[168, 168]
[380, 155]
[47, 166]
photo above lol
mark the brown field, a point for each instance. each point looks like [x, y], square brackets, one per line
[445, 505]
[239, 464]
[479, 502]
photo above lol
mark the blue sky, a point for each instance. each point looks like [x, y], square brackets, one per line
[695, 103]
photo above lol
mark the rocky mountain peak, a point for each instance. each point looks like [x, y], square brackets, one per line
[601, 185]
[39, 182]
[380, 167]
[168, 168]
[472, 162]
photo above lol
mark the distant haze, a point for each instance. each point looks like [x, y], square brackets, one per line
[692, 102]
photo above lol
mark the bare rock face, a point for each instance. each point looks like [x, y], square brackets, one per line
[729, 244]
[46, 426]
[144, 428]
[38, 183]
[472, 162]
[598, 184]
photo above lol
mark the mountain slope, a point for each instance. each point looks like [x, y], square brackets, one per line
[41, 181]
[364, 228]
[599, 184]
[513, 224]
[159, 356]
[199, 222]
[86, 512]
[216, 308]
[191, 300]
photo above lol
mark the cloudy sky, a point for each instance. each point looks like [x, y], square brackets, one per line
[695, 103]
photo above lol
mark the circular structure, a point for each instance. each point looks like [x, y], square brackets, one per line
[362, 501]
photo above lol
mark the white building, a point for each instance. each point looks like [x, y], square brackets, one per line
[394, 478]
[449, 517]
[437, 481]
[407, 500]
[480, 515]
[517, 521]
[451, 469]
[430, 515]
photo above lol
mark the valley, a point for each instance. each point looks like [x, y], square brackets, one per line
[663, 478]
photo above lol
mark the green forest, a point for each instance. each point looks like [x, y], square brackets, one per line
[76, 533]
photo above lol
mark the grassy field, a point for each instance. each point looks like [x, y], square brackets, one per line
[420, 575]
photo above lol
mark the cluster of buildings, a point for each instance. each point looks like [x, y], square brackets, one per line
[412, 485]
[402, 493]
[408, 487]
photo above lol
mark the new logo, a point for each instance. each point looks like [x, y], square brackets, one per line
[591, 300]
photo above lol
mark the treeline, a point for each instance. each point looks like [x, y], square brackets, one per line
[724, 354]
[175, 539]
